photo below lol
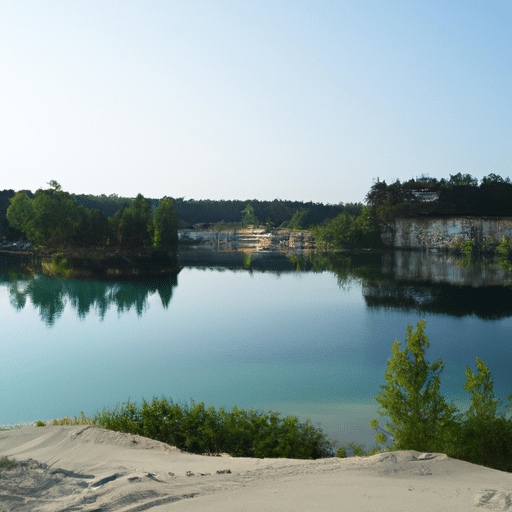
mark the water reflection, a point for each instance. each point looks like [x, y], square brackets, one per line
[405, 281]
[426, 282]
[50, 295]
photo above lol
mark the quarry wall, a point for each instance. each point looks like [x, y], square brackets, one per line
[427, 233]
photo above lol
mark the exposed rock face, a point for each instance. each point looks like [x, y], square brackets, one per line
[443, 233]
[249, 239]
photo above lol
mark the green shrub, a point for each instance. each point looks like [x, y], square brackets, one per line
[6, 463]
[197, 429]
[40, 424]
[468, 248]
[357, 449]
[342, 452]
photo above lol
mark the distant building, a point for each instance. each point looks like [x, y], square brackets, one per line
[426, 196]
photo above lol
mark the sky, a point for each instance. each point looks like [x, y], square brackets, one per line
[308, 100]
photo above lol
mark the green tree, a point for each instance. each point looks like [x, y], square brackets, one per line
[297, 219]
[460, 179]
[20, 212]
[56, 216]
[249, 217]
[135, 225]
[336, 233]
[420, 417]
[484, 435]
[484, 406]
[165, 225]
[93, 228]
[51, 217]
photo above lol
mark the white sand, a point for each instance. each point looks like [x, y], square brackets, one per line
[88, 469]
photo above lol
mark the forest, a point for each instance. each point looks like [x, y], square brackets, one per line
[122, 221]
[98, 227]
[53, 217]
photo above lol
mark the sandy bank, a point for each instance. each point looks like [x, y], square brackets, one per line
[76, 468]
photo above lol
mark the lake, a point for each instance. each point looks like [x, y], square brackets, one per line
[293, 335]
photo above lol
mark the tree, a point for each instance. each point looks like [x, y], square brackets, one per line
[297, 219]
[493, 179]
[93, 228]
[460, 179]
[484, 406]
[485, 434]
[249, 217]
[135, 224]
[56, 216]
[165, 225]
[420, 417]
[378, 194]
[51, 217]
[20, 212]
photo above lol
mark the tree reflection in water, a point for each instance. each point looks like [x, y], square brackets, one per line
[50, 295]
[404, 281]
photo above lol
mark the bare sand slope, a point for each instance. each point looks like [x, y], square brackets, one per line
[89, 469]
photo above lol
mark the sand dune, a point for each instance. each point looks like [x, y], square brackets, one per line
[77, 468]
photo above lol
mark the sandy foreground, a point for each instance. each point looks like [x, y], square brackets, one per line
[78, 468]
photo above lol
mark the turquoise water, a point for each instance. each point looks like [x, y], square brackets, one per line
[294, 342]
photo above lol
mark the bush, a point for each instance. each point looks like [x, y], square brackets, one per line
[6, 463]
[197, 429]
[342, 452]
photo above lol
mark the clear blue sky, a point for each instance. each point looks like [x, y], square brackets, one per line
[252, 99]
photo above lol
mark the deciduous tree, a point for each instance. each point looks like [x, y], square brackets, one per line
[165, 225]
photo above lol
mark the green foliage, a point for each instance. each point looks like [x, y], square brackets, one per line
[135, 224]
[296, 222]
[198, 429]
[422, 420]
[468, 248]
[221, 226]
[20, 213]
[40, 424]
[51, 217]
[94, 228]
[249, 217]
[460, 179]
[484, 405]
[165, 225]
[341, 452]
[420, 417]
[484, 435]
[357, 449]
[347, 231]
[75, 420]
[504, 249]
[6, 463]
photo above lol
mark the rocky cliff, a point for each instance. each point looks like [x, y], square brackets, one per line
[429, 233]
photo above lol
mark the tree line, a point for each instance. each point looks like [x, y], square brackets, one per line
[461, 194]
[276, 213]
[53, 217]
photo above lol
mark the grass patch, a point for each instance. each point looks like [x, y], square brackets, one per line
[6, 463]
